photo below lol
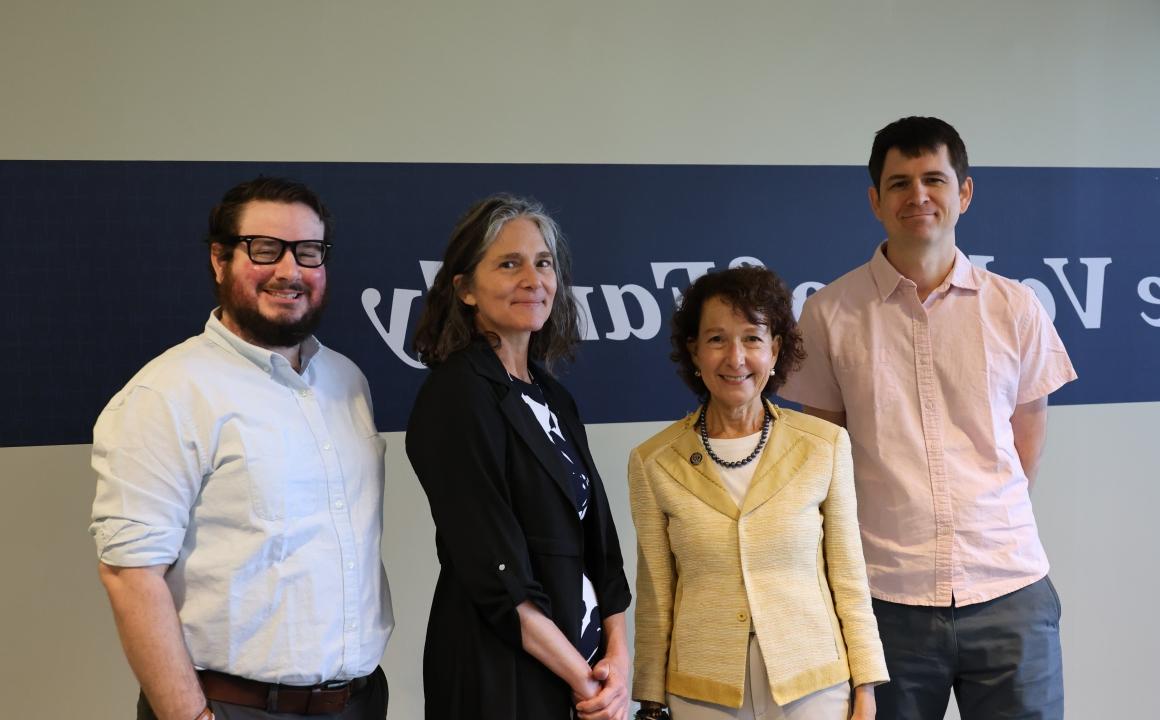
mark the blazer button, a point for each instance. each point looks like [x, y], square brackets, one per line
[742, 616]
[502, 567]
[696, 458]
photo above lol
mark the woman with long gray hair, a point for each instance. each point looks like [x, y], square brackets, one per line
[527, 621]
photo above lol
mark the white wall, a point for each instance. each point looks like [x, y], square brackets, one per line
[1036, 82]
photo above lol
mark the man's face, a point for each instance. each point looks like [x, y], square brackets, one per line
[919, 199]
[278, 305]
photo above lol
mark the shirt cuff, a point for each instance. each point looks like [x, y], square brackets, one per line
[124, 543]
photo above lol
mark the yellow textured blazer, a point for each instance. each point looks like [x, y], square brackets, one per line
[788, 561]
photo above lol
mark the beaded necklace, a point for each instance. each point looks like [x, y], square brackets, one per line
[745, 460]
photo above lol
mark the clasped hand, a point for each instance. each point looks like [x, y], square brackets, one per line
[607, 696]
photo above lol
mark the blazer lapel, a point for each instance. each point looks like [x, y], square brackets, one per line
[520, 417]
[688, 463]
[784, 455]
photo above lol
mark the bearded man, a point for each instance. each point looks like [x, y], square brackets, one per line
[238, 512]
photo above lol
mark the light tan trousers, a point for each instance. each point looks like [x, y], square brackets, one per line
[832, 703]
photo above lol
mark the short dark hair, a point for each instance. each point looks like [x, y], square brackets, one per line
[914, 136]
[754, 291]
[448, 325]
[225, 216]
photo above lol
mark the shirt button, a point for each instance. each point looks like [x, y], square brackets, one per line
[327, 446]
[502, 567]
[352, 626]
[350, 566]
[742, 616]
[339, 504]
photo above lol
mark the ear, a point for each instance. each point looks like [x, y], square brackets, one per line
[775, 346]
[966, 192]
[215, 260]
[872, 194]
[461, 291]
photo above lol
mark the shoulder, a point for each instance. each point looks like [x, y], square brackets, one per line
[1004, 297]
[809, 425]
[180, 368]
[851, 286]
[339, 371]
[337, 363]
[647, 450]
[994, 284]
[461, 377]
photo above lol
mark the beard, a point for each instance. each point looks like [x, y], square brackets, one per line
[261, 330]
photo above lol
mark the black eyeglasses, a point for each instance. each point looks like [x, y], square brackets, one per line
[266, 250]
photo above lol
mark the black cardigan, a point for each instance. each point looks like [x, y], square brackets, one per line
[506, 531]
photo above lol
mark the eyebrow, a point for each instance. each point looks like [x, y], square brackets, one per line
[929, 173]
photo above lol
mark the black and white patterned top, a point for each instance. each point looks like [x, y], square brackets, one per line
[590, 627]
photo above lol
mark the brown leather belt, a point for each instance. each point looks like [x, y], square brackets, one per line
[322, 699]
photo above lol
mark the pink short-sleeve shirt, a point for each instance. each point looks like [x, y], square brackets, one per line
[928, 390]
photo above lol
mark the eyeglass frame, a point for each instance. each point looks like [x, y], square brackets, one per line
[292, 245]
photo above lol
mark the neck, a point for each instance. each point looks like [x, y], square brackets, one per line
[513, 354]
[734, 422]
[927, 267]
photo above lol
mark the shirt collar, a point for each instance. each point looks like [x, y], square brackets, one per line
[962, 275]
[264, 358]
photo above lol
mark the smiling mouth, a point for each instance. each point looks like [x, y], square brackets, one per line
[735, 378]
[285, 294]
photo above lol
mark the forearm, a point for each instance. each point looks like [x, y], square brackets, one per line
[544, 641]
[865, 707]
[151, 637]
[616, 640]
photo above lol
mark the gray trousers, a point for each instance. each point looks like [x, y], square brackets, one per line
[370, 704]
[1002, 658]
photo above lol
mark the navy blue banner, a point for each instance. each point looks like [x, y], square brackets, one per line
[104, 267]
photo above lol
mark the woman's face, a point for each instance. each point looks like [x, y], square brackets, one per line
[513, 286]
[733, 354]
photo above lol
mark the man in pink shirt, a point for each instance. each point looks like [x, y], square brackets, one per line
[941, 371]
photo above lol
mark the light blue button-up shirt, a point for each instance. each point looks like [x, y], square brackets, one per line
[262, 488]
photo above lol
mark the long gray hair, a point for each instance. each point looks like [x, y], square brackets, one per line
[448, 325]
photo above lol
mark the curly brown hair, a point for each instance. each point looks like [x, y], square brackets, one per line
[754, 291]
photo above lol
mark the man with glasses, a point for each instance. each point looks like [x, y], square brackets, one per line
[239, 499]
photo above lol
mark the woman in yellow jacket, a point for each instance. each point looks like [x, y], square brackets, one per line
[751, 590]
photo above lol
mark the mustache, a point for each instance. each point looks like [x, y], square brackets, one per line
[285, 286]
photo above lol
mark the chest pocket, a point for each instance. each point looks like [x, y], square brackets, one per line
[286, 477]
[868, 381]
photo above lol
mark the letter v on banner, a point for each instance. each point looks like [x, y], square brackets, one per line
[1091, 311]
[395, 334]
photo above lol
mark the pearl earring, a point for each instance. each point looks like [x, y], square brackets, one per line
[696, 373]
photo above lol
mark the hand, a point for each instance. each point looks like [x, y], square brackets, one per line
[611, 703]
[864, 706]
[589, 688]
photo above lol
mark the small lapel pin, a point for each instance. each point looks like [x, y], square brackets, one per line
[696, 458]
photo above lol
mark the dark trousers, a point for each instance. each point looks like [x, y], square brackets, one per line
[370, 704]
[1002, 658]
